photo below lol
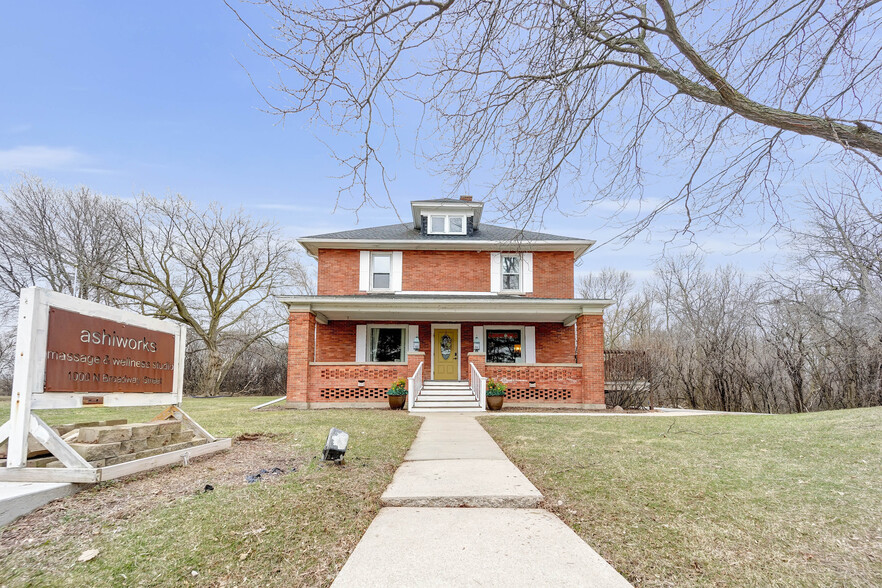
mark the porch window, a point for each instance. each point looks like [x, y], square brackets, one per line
[387, 344]
[381, 271]
[504, 346]
[511, 272]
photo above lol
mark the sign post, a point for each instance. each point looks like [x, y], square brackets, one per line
[72, 353]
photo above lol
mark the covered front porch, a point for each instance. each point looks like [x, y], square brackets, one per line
[346, 351]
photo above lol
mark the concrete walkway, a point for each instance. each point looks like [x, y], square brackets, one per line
[20, 498]
[419, 538]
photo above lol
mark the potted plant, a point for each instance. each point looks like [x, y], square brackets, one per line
[495, 394]
[397, 394]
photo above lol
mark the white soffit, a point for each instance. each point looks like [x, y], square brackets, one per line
[462, 309]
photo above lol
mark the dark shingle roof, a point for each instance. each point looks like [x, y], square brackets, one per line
[405, 232]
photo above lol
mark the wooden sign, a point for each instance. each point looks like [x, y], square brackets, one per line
[72, 353]
[92, 354]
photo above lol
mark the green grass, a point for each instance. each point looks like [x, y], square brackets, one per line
[714, 500]
[296, 531]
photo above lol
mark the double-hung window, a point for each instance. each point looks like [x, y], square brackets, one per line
[387, 344]
[381, 271]
[511, 273]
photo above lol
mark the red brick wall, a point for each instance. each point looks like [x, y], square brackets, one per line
[300, 353]
[329, 383]
[590, 354]
[336, 341]
[440, 271]
[452, 271]
[338, 272]
[555, 343]
[553, 274]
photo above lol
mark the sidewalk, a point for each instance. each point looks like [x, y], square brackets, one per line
[420, 538]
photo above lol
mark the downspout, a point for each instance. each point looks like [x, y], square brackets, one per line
[314, 341]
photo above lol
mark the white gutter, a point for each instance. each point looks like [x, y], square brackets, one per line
[577, 246]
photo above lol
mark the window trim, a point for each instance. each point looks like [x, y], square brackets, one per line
[447, 218]
[371, 271]
[521, 328]
[502, 273]
[404, 342]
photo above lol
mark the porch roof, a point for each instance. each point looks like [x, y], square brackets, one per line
[445, 308]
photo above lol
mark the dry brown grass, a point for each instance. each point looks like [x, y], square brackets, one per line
[295, 529]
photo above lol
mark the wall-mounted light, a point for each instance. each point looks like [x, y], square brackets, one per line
[416, 343]
[477, 344]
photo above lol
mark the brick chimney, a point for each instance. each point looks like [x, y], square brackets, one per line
[465, 198]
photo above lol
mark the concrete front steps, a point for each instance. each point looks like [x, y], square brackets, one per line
[440, 396]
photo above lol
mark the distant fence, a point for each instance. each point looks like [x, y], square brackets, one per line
[626, 366]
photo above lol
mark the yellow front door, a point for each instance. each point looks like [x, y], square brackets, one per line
[446, 357]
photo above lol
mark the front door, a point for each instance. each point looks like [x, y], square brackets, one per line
[446, 357]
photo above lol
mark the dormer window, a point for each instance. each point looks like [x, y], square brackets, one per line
[447, 224]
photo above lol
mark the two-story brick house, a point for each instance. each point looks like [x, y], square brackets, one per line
[447, 302]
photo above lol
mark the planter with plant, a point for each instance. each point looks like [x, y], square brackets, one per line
[397, 394]
[495, 394]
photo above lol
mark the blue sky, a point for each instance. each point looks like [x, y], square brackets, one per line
[152, 97]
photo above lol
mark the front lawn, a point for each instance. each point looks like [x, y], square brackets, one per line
[714, 500]
[163, 528]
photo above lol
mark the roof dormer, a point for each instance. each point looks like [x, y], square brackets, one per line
[446, 216]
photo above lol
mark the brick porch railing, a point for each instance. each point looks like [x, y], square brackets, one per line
[539, 383]
[352, 382]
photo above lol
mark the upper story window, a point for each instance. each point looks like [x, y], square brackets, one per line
[511, 273]
[447, 224]
[381, 271]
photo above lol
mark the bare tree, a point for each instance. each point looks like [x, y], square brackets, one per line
[215, 272]
[7, 351]
[733, 96]
[708, 337]
[842, 246]
[63, 239]
[627, 318]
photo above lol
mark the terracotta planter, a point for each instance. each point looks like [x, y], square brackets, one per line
[495, 402]
[397, 402]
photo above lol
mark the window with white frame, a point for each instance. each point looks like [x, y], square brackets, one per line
[511, 273]
[446, 224]
[387, 344]
[381, 271]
